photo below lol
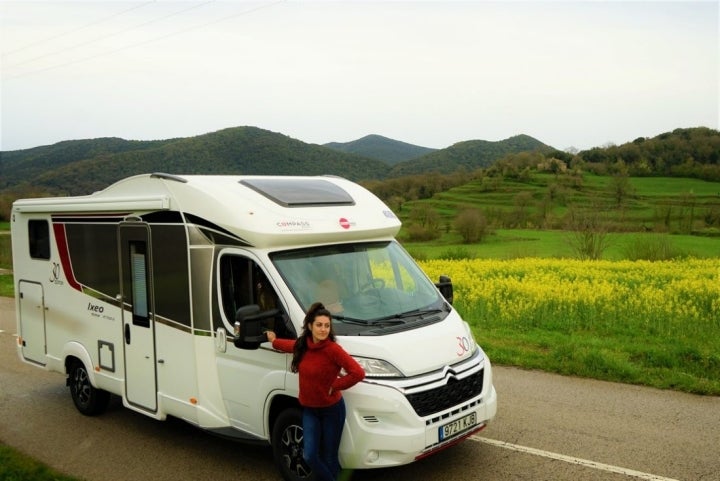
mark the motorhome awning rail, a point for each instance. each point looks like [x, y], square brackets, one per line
[87, 204]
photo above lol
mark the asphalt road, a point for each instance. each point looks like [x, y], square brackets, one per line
[548, 427]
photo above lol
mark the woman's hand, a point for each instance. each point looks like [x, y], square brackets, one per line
[270, 336]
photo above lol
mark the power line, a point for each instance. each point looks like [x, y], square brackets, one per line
[82, 44]
[162, 37]
[96, 22]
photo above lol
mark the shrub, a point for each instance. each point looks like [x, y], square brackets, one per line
[472, 225]
[589, 234]
[418, 233]
[654, 247]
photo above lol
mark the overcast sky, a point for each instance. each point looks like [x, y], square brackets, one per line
[576, 74]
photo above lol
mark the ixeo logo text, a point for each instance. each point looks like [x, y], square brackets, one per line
[97, 310]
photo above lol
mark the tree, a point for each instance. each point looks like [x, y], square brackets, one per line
[620, 186]
[589, 233]
[687, 212]
[472, 225]
[425, 216]
[522, 201]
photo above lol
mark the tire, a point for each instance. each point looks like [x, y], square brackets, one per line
[89, 400]
[287, 446]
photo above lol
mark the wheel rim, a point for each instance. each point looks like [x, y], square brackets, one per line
[292, 451]
[81, 386]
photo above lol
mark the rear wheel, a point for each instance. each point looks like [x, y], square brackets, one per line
[89, 400]
[287, 444]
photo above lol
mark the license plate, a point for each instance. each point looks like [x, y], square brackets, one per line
[459, 425]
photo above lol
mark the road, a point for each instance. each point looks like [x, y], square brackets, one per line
[548, 427]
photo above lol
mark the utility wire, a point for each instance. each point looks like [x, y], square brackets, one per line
[82, 44]
[178, 32]
[96, 22]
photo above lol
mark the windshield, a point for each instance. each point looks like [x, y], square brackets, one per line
[369, 285]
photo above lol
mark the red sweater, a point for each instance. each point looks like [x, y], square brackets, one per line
[319, 370]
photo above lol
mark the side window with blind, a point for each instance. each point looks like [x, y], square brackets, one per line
[138, 263]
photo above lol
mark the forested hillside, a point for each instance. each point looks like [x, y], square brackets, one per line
[469, 155]
[381, 148]
[681, 153]
[19, 165]
[240, 150]
[84, 166]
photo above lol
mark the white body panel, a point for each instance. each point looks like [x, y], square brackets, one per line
[147, 317]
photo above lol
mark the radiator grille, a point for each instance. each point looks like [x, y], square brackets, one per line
[447, 396]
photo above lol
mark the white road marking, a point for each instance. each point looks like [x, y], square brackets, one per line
[569, 459]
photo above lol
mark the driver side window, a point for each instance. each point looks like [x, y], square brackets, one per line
[243, 283]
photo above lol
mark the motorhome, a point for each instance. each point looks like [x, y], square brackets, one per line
[158, 289]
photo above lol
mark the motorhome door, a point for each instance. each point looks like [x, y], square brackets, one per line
[138, 324]
[32, 321]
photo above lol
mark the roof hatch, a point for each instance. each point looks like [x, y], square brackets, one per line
[303, 192]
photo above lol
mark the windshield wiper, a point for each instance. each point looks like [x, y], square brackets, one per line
[400, 318]
[350, 320]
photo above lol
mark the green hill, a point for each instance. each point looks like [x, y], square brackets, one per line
[239, 150]
[693, 152]
[83, 166]
[17, 166]
[381, 148]
[469, 155]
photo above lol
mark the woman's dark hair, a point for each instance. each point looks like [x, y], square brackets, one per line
[317, 309]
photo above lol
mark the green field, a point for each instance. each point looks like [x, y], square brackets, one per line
[517, 243]
[548, 202]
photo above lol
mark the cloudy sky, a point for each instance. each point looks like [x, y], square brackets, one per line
[571, 74]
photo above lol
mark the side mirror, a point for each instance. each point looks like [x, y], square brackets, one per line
[249, 326]
[446, 288]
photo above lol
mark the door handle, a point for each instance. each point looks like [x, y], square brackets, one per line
[127, 333]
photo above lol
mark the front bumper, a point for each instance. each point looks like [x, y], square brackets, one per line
[384, 429]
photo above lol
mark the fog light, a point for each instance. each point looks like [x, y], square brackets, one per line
[372, 456]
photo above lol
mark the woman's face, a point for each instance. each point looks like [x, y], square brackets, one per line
[320, 328]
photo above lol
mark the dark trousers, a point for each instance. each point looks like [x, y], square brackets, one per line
[322, 429]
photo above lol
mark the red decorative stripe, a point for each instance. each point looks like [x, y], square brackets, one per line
[61, 240]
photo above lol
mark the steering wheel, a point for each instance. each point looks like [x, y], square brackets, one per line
[374, 283]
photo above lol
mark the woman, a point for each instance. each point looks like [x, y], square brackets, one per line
[318, 359]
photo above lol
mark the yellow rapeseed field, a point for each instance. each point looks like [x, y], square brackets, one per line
[653, 323]
[665, 298]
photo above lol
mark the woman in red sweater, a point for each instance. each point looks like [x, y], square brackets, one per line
[318, 359]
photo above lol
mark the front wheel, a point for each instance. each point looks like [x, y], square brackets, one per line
[88, 399]
[287, 445]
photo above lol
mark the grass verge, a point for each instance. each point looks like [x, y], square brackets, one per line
[16, 466]
[7, 286]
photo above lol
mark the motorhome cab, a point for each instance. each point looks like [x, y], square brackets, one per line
[158, 289]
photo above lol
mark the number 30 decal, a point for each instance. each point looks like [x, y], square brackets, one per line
[464, 345]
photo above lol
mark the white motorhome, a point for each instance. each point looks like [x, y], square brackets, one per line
[158, 289]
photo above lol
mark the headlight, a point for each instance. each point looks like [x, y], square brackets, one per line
[378, 367]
